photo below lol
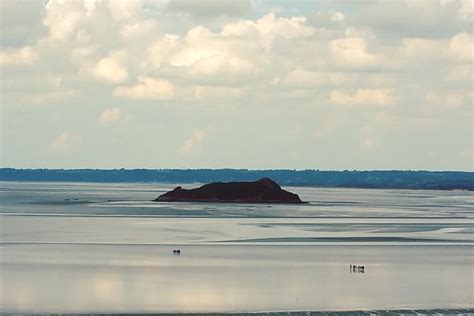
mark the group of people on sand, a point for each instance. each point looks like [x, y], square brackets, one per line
[356, 269]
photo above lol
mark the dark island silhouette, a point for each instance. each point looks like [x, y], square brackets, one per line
[264, 190]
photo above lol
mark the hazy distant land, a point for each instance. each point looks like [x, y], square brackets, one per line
[392, 179]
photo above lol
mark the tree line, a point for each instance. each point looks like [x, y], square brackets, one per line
[386, 179]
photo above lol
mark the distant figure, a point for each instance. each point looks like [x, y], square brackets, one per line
[176, 251]
[356, 269]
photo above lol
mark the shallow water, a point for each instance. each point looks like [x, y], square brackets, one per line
[106, 248]
[143, 278]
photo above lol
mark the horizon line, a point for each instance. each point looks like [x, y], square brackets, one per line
[238, 169]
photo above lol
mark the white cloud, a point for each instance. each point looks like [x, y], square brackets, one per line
[48, 98]
[201, 92]
[450, 99]
[462, 46]
[90, 6]
[239, 52]
[351, 51]
[161, 50]
[111, 68]
[370, 97]
[194, 142]
[25, 55]
[147, 88]
[125, 9]
[203, 53]
[222, 65]
[444, 3]
[466, 10]
[63, 18]
[109, 116]
[65, 142]
[336, 16]
[311, 79]
[279, 60]
[422, 48]
[268, 27]
[135, 29]
[82, 55]
[459, 48]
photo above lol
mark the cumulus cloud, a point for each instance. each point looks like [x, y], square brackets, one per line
[371, 97]
[466, 10]
[136, 29]
[422, 48]
[352, 51]
[253, 58]
[125, 9]
[147, 88]
[65, 142]
[22, 56]
[235, 52]
[458, 48]
[111, 68]
[194, 143]
[202, 52]
[161, 51]
[462, 46]
[109, 116]
[201, 92]
[63, 19]
[268, 27]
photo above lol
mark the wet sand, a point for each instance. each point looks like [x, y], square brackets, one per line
[98, 248]
[72, 278]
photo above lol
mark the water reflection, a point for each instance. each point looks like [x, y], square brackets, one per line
[207, 278]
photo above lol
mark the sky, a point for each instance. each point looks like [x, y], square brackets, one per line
[237, 84]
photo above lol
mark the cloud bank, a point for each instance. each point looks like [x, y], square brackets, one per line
[401, 72]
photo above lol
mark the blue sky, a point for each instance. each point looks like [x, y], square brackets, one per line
[242, 84]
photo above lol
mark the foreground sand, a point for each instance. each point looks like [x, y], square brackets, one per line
[86, 278]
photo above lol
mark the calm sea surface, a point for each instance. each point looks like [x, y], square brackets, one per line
[83, 247]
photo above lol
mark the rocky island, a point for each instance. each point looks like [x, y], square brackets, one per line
[262, 191]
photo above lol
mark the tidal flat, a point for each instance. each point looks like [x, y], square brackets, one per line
[105, 248]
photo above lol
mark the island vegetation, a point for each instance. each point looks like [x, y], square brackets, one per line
[264, 190]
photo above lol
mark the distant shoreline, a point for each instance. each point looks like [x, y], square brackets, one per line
[376, 179]
[407, 311]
